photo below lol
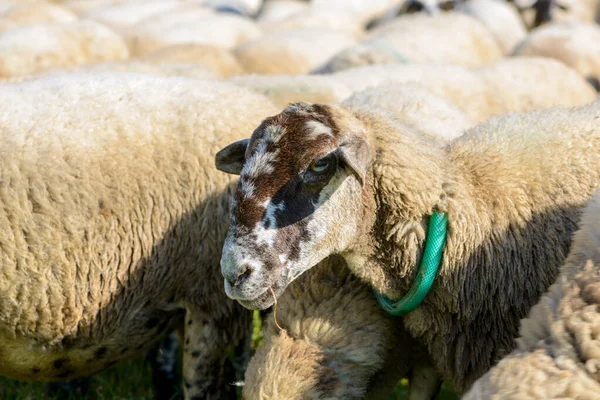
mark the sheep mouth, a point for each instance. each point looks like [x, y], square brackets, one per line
[267, 298]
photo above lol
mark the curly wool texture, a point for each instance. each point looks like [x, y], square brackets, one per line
[558, 354]
[335, 342]
[112, 220]
[513, 188]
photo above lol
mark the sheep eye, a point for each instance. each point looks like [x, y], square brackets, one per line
[321, 166]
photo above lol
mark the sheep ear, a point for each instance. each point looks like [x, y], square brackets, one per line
[357, 156]
[231, 158]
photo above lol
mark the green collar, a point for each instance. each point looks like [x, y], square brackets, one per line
[430, 263]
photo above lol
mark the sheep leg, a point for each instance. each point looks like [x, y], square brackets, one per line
[425, 383]
[205, 349]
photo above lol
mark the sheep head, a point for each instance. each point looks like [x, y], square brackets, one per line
[301, 195]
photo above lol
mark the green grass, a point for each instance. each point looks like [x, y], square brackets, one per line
[130, 380]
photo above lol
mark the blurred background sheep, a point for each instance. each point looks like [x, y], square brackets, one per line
[468, 60]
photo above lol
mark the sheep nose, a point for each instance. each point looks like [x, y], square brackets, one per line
[240, 277]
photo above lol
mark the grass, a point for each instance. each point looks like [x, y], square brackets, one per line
[130, 380]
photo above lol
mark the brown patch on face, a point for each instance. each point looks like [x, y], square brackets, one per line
[293, 147]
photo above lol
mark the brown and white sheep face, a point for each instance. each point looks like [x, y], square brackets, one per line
[298, 200]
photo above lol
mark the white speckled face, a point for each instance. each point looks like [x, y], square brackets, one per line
[297, 201]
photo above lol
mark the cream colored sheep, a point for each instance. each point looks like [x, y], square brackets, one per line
[32, 13]
[451, 37]
[112, 223]
[323, 179]
[575, 43]
[336, 343]
[416, 106]
[122, 16]
[285, 89]
[291, 52]
[190, 26]
[558, 353]
[217, 60]
[512, 84]
[501, 18]
[315, 17]
[41, 47]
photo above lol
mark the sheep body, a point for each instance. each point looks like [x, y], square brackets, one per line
[471, 45]
[124, 15]
[576, 43]
[501, 18]
[291, 52]
[200, 26]
[335, 340]
[112, 222]
[510, 85]
[40, 47]
[28, 14]
[558, 352]
[415, 106]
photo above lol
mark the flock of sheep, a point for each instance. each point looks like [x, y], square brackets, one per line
[124, 125]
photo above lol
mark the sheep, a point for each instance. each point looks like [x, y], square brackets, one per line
[112, 223]
[501, 18]
[577, 44]
[285, 89]
[219, 61]
[323, 179]
[40, 47]
[189, 26]
[510, 85]
[336, 343]
[296, 51]
[315, 17]
[416, 106]
[124, 15]
[557, 354]
[27, 14]
[403, 41]
[423, 38]
[382, 352]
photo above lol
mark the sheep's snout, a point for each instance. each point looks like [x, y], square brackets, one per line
[248, 273]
